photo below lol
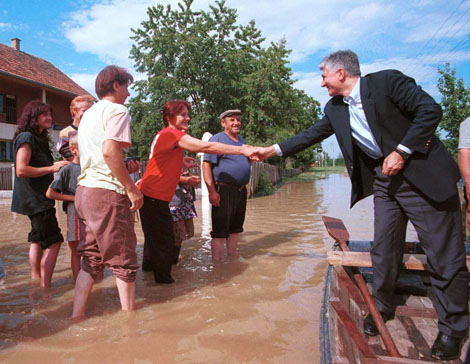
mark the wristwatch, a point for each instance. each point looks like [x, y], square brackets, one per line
[403, 154]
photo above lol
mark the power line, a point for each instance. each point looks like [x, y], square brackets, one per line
[430, 55]
[439, 28]
[414, 65]
[455, 49]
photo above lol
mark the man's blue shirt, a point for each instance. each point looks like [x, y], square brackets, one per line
[229, 168]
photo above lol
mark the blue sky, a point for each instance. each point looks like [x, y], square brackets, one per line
[82, 36]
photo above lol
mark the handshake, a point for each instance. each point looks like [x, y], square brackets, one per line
[258, 154]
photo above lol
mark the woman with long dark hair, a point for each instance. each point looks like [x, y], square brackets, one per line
[34, 168]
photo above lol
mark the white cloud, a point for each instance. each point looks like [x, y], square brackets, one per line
[5, 26]
[385, 34]
[87, 81]
[308, 26]
[440, 26]
[105, 29]
[310, 82]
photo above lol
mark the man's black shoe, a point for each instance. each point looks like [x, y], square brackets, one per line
[446, 347]
[370, 328]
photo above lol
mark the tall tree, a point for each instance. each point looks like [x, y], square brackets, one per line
[216, 64]
[455, 104]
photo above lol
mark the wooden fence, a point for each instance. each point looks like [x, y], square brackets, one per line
[290, 172]
[259, 168]
[6, 183]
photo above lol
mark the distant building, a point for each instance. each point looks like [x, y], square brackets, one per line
[23, 78]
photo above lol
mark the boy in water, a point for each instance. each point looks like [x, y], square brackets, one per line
[63, 189]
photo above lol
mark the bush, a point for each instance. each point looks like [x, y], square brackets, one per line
[265, 187]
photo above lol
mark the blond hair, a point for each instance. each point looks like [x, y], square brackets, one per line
[82, 98]
[73, 139]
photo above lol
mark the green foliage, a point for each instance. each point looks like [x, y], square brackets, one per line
[264, 187]
[455, 105]
[216, 64]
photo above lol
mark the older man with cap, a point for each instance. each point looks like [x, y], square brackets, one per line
[226, 177]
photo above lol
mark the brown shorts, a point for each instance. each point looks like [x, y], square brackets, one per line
[109, 232]
[183, 230]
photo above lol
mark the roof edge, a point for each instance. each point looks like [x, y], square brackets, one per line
[42, 84]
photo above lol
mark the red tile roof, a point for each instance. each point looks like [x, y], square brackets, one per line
[25, 66]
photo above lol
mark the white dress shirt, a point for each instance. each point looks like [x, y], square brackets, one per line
[360, 128]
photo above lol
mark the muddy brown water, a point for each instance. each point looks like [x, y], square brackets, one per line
[262, 308]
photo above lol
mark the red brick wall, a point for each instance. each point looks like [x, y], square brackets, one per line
[25, 92]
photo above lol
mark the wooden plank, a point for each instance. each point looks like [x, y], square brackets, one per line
[352, 329]
[421, 334]
[347, 282]
[416, 312]
[390, 360]
[362, 259]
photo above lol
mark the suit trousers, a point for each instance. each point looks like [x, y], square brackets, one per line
[439, 229]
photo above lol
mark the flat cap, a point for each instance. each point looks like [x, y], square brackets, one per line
[229, 112]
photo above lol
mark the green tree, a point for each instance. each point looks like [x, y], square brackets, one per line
[455, 104]
[216, 64]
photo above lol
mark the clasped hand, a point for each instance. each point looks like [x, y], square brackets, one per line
[257, 154]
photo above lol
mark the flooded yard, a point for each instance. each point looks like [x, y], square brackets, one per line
[262, 308]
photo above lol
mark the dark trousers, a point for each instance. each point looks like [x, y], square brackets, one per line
[157, 226]
[439, 230]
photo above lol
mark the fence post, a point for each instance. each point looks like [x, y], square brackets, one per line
[205, 203]
[12, 176]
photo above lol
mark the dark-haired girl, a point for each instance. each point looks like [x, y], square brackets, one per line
[34, 168]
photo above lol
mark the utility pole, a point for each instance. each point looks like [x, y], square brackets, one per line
[333, 147]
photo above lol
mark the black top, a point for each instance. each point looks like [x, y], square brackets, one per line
[29, 194]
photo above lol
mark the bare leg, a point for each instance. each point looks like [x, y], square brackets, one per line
[217, 248]
[232, 243]
[74, 259]
[35, 255]
[48, 261]
[126, 294]
[83, 288]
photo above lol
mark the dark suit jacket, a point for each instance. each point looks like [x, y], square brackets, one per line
[398, 112]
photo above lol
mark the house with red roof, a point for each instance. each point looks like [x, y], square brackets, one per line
[23, 78]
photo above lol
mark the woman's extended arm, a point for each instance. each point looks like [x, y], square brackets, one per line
[194, 145]
[24, 170]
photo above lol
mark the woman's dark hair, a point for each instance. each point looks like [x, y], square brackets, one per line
[29, 118]
[173, 108]
[106, 78]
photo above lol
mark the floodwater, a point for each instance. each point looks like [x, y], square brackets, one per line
[262, 308]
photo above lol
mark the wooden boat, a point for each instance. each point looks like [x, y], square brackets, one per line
[414, 328]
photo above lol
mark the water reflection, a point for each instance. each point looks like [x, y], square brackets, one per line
[261, 308]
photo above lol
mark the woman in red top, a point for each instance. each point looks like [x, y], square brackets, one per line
[159, 183]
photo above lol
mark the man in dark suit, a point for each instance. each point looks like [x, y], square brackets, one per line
[385, 127]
